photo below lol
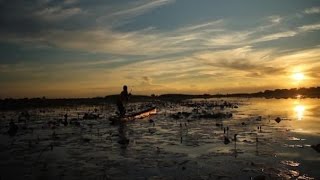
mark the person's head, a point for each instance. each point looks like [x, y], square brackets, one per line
[125, 88]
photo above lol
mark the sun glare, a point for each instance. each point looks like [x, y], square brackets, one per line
[299, 109]
[298, 76]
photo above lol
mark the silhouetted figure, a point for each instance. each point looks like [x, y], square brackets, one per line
[13, 128]
[122, 100]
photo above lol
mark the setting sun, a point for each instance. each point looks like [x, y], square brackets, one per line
[298, 76]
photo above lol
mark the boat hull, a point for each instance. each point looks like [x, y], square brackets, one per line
[134, 116]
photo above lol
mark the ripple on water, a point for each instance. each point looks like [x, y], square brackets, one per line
[295, 139]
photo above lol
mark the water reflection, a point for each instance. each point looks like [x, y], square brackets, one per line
[123, 140]
[299, 109]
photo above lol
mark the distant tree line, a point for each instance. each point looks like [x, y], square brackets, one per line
[27, 103]
[312, 92]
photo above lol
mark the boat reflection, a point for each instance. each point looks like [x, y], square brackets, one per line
[299, 109]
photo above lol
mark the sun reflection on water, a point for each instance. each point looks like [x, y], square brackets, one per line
[299, 109]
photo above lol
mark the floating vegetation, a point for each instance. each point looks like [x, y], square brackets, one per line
[278, 119]
[290, 163]
[184, 140]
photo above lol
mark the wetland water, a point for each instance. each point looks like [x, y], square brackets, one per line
[170, 145]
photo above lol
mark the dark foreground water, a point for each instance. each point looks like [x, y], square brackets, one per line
[169, 145]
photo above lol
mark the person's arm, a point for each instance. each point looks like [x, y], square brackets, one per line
[130, 93]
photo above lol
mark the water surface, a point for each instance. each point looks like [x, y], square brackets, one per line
[165, 147]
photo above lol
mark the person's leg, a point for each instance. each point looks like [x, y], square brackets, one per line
[121, 109]
[124, 110]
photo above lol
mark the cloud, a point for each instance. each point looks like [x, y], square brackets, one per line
[228, 39]
[141, 8]
[238, 69]
[245, 60]
[57, 13]
[118, 14]
[204, 26]
[105, 41]
[276, 36]
[141, 42]
[275, 19]
[310, 27]
[70, 1]
[287, 34]
[313, 10]
[221, 68]
[38, 16]
[151, 58]
[148, 41]
[307, 57]
[305, 61]
[146, 80]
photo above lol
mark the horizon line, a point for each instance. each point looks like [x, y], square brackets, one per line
[199, 94]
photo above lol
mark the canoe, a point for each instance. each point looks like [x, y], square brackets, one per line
[134, 116]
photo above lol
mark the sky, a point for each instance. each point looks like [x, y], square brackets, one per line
[82, 48]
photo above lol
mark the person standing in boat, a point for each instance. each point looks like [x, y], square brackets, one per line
[122, 100]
